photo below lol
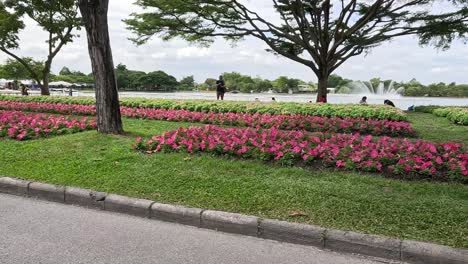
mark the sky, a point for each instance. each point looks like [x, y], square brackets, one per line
[401, 59]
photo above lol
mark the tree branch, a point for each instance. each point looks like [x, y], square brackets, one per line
[26, 65]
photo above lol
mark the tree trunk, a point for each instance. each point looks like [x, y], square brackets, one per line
[94, 13]
[45, 85]
[322, 87]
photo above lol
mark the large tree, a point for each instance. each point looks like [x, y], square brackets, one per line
[158, 80]
[94, 13]
[56, 17]
[12, 69]
[320, 34]
[187, 83]
[283, 84]
[65, 71]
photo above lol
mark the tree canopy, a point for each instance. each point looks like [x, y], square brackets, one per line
[141, 81]
[320, 34]
[56, 17]
[187, 83]
[65, 71]
[12, 69]
[442, 29]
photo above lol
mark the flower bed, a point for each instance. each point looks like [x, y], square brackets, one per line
[21, 126]
[285, 122]
[326, 110]
[56, 108]
[393, 156]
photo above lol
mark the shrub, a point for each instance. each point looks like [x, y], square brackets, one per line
[456, 115]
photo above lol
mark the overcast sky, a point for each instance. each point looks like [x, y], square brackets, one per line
[400, 60]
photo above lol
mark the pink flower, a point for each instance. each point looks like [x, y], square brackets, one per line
[19, 125]
[340, 163]
[257, 121]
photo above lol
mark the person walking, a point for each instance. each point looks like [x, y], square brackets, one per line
[220, 88]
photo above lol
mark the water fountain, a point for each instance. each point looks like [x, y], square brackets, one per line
[359, 87]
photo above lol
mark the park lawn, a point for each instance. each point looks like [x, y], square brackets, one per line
[434, 212]
[438, 129]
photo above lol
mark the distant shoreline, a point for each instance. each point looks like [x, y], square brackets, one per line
[250, 95]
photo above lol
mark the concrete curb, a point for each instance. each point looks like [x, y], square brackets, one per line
[176, 214]
[14, 186]
[335, 240]
[230, 222]
[47, 192]
[127, 205]
[426, 253]
[87, 198]
[369, 245]
[292, 232]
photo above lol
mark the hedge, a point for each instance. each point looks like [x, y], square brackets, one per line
[457, 115]
[328, 110]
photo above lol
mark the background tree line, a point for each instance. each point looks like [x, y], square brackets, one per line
[131, 80]
[246, 84]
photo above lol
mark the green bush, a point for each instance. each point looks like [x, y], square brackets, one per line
[426, 108]
[454, 114]
[457, 115]
[329, 110]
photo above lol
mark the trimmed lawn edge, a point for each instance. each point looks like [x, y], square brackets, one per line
[331, 239]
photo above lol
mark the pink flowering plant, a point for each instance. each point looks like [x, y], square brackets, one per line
[377, 127]
[56, 108]
[394, 157]
[312, 109]
[22, 126]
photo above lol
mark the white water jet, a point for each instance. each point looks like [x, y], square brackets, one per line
[359, 87]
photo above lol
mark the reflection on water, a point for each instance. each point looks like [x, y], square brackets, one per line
[400, 101]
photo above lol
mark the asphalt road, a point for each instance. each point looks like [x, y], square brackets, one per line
[38, 232]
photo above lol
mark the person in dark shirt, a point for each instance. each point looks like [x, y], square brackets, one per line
[390, 103]
[24, 90]
[220, 88]
[363, 100]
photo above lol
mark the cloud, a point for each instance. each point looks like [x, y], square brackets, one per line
[159, 55]
[193, 52]
[401, 59]
[440, 70]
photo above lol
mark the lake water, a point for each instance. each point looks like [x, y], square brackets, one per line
[399, 101]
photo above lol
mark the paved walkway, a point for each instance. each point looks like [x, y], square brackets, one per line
[34, 232]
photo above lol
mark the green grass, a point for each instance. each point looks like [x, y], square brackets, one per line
[425, 211]
[438, 129]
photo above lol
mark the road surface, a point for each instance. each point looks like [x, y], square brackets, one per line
[39, 232]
